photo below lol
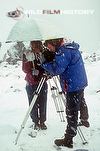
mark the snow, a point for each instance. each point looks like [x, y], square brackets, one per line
[14, 104]
[13, 98]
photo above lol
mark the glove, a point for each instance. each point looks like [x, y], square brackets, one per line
[48, 55]
[35, 72]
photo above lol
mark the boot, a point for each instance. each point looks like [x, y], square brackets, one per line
[84, 123]
[43, 126]
[36, 126]
[67, 142]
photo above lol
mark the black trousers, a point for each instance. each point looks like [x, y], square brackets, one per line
[38, 113]
[75, 102]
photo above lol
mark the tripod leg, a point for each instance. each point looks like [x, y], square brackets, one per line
[84, 141]
[30, 107]
[61, 107]
[57, 101]
[55, 79]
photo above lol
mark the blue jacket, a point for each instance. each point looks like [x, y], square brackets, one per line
[68, 64]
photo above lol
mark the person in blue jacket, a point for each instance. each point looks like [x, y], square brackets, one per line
[68, 64]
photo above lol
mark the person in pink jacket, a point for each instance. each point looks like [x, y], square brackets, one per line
[34, 72]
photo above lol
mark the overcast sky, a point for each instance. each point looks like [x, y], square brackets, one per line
[83, 28]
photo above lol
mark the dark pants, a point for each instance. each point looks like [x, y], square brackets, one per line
[75, 103]
[38, 113]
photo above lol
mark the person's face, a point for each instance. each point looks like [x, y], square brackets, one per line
[51, 47]
[36, 47]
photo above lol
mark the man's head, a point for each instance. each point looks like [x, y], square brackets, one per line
[53, 44]
[36, 46]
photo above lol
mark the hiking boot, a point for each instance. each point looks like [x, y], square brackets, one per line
[84, 123]
[43, 126]
[67, 142]
[36, 126]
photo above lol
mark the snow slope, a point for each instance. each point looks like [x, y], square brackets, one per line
[14, 104]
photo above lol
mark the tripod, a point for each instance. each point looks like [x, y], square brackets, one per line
[59, 107]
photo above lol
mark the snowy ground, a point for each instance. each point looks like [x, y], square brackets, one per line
[14, 104]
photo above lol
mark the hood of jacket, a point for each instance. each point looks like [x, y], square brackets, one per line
[72, 45]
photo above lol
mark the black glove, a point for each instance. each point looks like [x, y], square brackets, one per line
[48, 55]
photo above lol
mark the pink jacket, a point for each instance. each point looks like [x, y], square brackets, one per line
[27, 67]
